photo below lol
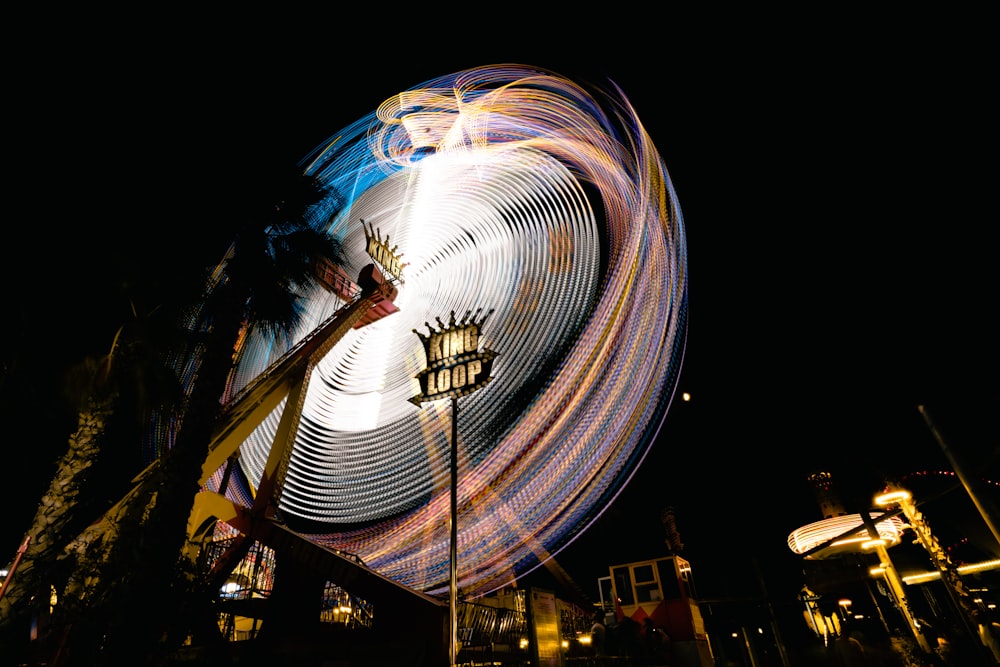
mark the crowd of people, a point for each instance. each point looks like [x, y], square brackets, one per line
[645, 644]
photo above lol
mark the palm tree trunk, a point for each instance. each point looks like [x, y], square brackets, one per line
[62, 514]
[145, 590]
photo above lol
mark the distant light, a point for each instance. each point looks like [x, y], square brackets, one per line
[969, 568]
[686, 396]
[846, 542]
[982, 566]
[891, 497]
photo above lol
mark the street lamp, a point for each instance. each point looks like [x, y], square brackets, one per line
[895, 583]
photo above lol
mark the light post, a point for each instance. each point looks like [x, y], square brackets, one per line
[455, 367]
[987, 509]
[844, 605]
[957, 592]
[895, 583]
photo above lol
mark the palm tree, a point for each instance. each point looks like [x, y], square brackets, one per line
[114, 396]
[136, 587]
[58, 519]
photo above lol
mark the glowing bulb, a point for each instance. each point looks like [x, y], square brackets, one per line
[891, 498]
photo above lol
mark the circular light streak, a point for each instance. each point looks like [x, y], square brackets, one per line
[808, 537]
[512, 189]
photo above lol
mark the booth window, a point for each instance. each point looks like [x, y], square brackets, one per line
[623, 585]
[647, 588]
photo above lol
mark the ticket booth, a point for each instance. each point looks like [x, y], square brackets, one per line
[663, 590]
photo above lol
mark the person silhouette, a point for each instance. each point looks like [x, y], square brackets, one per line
[598, 636]
[654, 643]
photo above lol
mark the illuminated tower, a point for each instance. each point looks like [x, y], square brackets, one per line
[829, 501]
[669, 520]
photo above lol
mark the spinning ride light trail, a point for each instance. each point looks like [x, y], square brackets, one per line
[512, 189]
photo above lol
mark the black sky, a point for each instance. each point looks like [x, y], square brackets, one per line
[834, 175]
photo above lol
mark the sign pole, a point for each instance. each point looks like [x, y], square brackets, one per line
[453, 555]
[455, 367]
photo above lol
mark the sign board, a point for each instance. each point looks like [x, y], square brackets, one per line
[386, 256]
[546, 642]
[455, 364]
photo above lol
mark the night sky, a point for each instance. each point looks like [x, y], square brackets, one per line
[833, 182]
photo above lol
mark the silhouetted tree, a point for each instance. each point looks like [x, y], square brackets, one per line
[135, 594]
[114, 395]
